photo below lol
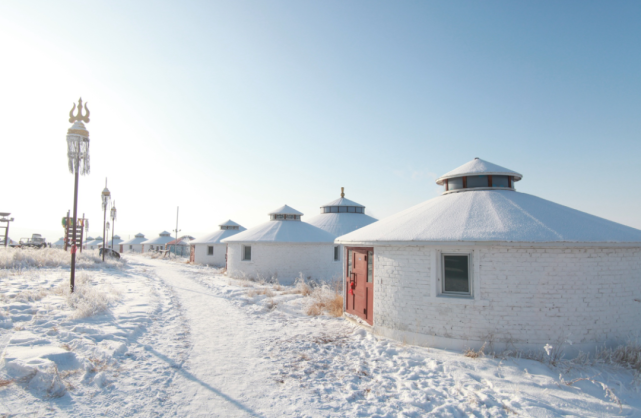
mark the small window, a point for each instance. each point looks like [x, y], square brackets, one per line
[477, 181]
[456, 274]
[359, 210]
[370, 266]
[334, 209]
[210, 250]
[247, 252]
[337, 253]
[131, 247]
[350, 255]
[351, 209]
[342, 209]
[455, 184]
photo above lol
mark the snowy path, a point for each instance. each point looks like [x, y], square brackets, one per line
[226, 372]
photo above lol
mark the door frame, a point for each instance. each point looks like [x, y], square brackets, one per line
[345, 279]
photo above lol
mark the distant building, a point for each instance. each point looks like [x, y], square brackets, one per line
[157, 244]
[210, 249]
[133, 245]
[283, 248]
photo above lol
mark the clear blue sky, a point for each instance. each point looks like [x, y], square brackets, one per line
[230, 109]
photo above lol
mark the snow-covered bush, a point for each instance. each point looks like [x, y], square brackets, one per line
[88, 299]
[16, 258]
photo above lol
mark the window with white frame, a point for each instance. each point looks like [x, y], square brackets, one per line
[337, 253]
[457, 278]
[247, 252]
[210, 250]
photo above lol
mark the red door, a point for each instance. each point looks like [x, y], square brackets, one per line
[192, 254]
[360, 283]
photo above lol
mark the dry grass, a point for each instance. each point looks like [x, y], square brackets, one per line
[628, 355]
[261, 291]
[475, 354]
[325, 300]
[5, 382]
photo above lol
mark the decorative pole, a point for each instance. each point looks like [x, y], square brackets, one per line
[78, 159]
[113, 223]
[106, 198]
[176, 231]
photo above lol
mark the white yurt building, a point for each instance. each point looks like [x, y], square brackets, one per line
[95, 244]
[84, 245]
[59, 244]
[485, 263]
[283, 248]
[133, 245]
[157, 244]
[115, 243]
[180, 246]
[210, 249]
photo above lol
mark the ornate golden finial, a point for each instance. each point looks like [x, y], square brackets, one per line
[79, 116]
[342, 192]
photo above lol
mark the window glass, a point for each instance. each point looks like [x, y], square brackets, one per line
[336, 253]
[455, 184]
[500, 181]
[350, 256]
[342, 209]
[131, 247]
[456, 275]
[370, 265]
[477, 181]
[351, 209]
[210, 250]
[359, 210]
[247, 252]
[334, 209]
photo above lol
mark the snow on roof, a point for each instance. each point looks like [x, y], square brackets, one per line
[229, 222]
[185, 240]
[97, 241]
[479, 167]
[341, 201]
[285, 210]
[339, 224]
[138, 239]
[217, 236]
[283, 231]
[493, 215]
[163, 238]
[116, 241]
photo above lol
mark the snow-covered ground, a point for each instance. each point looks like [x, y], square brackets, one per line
[160, 337]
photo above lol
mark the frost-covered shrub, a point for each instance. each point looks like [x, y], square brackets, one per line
[88, 299]
[16, 259]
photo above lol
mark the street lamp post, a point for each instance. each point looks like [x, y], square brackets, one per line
[106, 198]
[78, 159]
[113, 223]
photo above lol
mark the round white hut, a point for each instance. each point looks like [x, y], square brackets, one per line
[95, 244]
[485, 263]
[283, 248]
[60, 243]
[210, 249]
[115, 243]
[340, 217]
[133, 245]
[157, 244]
[84, 245]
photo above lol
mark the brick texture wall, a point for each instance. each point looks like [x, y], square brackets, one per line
[218, 259]
[285, 261]
[521, 295]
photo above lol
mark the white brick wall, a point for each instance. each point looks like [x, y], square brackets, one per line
[525, 296]
[218, 259]
[285, 261]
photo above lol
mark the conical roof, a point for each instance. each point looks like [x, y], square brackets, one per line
[342, 201]
[137, 239]
[163, 238]
[219, 235]
[478, 167]
[283, 231]
[339, 224]
[493, 216]
[285, 210]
